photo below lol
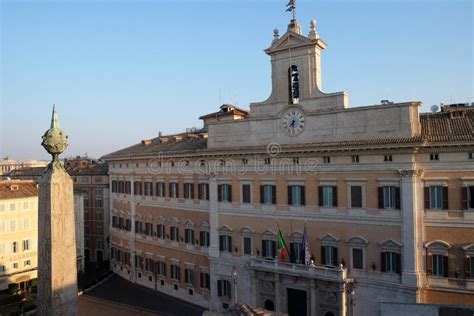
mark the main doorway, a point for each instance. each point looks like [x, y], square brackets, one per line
[297, 305]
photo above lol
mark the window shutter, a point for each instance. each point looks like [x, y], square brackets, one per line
[219, 193]
[186, 277]
[230, 193]
[320, 196]
[397, 198]
[177, 189]
[273, 194]
[427, 198]
[334, 196]
[323, 256]
[261, 194]
[445, 198]
[192, 190]
[221, 242]
[264, 248]
[445, 266]
[169, 189]
[382, 262]
[334, 256]
[464, 198]
[303, 197]
[429, 264]
[273, 249]
[200, 195]
[219, 288]
[290, 195]
[380, 190]
[467, 267]
[398, 267]
[207, 191]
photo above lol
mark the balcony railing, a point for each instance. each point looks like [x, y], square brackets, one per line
[319, 272]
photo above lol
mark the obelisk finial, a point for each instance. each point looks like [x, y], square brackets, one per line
[54, 139]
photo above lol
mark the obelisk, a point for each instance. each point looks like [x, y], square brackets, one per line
[57, 270]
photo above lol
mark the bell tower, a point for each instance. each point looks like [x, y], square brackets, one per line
[296, 72]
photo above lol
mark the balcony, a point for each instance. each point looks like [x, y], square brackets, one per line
[299, 270]
[451, 283]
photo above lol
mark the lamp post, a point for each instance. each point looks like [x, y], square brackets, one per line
[350, 288]
[234, 281]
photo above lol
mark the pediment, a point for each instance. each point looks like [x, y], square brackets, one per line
[290, 39]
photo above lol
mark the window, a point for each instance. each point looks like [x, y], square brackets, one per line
[161, 268]
[173, 186]
[293, 84]
[204, 238]
[357, 258]
[268, 194]
[246, 193]
[100, 244]
[225, 243]
[438, 265]
[160, 231]
[149, 229]
[98, 215]
[296, 195]
[149, 264]
[470, 156]
[267, 161]
[137, 188]
[388, 158]
[86, 199]
[268, 249]
[139, 262]
[434, 157]
[2, 268]
[189, 236]
[26, 244]
[174, 233]
[247, 245]
[160, 189]
[128, 224]
[329, 255]
[12, 226]
[296, 252]
[189, 191]
[467, 197]
[224, 193]
[26, 223]
[224, 289]
[328, 196]
[390, 262]
[189, 276]
[98, 179]
[138, 227]
[436, 197]
[203, 193]
[85, 180]
[327, 159]
[356, 196]
[175, 272]
[15, 265]
[205, 280]
[355, 159]
[128, 187]
[25, 206]
[389, 197]
[114, 221]
[14, 247]
[148, 188]
[12, 207]
[99, 231]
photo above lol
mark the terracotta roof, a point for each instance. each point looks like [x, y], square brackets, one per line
[435, 127]
[27, 172]
[92, 170]
[17, 189]
[232, 110]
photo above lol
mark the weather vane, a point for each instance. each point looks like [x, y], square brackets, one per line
[291, 7]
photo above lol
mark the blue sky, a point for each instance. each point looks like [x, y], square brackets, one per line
[121, 71]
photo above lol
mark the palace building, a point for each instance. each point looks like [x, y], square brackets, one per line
[385, 194]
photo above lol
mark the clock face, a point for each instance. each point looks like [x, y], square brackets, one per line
[292, 121]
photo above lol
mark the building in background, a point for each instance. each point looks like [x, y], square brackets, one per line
[301, 205]
[18, 233]
[91, 181]
[7, 165]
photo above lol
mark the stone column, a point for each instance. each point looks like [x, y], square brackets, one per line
[411, 192]
[312, 310]
[214, 264]
[57, 266]
[279, 297]
[132, 235]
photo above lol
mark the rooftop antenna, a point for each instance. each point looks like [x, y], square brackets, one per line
[434, 108]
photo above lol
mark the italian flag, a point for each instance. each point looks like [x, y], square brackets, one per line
[282, 248]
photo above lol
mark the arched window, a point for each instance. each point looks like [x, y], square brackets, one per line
[293, 84]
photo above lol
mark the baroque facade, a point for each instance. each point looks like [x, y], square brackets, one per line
[386, 195]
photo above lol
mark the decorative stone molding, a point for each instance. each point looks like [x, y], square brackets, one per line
[411, 173]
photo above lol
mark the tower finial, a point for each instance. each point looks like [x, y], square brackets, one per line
[55, 140]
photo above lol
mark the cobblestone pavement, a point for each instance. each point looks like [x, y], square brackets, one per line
[124, 292]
